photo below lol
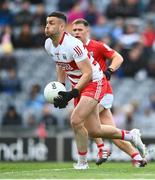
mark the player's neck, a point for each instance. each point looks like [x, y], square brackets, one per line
[57, 38]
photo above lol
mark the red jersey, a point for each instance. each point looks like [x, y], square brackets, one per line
[100, 52]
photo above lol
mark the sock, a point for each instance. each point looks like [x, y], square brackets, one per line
[126, 135]
[100, 147]
[82, 158]
[136, 156]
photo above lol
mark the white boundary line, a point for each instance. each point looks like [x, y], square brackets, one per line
[37, 170]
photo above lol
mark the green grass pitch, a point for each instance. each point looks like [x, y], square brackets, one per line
[47, 170]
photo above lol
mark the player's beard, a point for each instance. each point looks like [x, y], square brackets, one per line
[51, 35]
[54, 37]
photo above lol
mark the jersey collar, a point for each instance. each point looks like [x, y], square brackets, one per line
[61, 40]
[87, 42]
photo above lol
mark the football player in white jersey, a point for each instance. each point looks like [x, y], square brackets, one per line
[89, 84]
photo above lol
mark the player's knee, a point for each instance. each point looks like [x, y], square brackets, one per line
[75, 121]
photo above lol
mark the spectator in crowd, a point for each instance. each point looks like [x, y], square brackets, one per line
[117, 30]
[107, 40]
[75, 12]
[65, 6]
[130, 109]
[25, 38]
[152, 102]
[148, 36]
[7, 39]
[130, 36]
[8, 61]
[124, 115]
[39, 17]
[119, 117]
[101, 28]
[29, 119]
[47, 117]
[33, 106]
[125, 9]
[151, 6]
[114, 9]
[149, 33]
[91, 14]
[6, 17]
[39, 38]
[135, 60]
[151, 67]
[24, 16]
[41, 131]
[11, 117]
[10, 83]
[36, 100]
[131, 8]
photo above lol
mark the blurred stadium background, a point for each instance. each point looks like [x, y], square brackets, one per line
[30, 129]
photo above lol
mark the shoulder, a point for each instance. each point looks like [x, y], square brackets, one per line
[102, 45]
[72, 45]
[95, 43]
[72, 40]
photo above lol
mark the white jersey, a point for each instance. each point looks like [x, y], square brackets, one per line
[69, 52]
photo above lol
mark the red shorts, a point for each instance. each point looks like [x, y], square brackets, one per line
[95, 90]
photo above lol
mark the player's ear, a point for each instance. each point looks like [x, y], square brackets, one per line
[62, 26]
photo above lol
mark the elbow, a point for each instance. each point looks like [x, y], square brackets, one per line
[119, 59]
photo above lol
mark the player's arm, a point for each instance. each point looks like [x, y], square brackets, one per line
[116, 61]
[79, 54]
[115, 57]
[86, 70]
[65, 97]
[61, 74]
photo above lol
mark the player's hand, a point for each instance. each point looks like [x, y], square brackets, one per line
[64, 97]
[108, 73]
[59, 102]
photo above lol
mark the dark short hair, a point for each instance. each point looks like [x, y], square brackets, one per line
[59, 15]
[81, 21]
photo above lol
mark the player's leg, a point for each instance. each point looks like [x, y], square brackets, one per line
[110, 132]
[106, 118]
[87, 109]
[80, 113]
[103, 151]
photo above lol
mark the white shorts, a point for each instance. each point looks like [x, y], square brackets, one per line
[107, 101]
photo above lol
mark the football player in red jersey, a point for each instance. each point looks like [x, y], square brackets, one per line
[101, 52]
